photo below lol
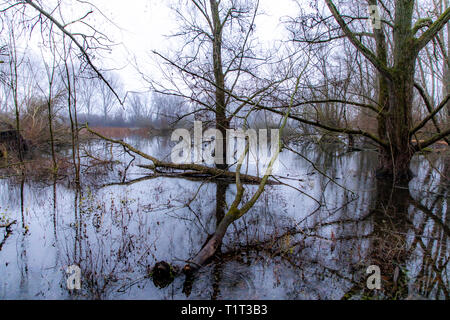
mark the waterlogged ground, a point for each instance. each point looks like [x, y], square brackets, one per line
[312, 238]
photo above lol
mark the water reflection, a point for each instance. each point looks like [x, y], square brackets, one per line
[313, 244]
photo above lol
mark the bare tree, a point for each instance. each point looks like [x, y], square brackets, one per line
[107, 96]
[53, 93]
[219, 69]
[139, 106]
[15, 62]
[88, 94]
[71, 81]
[166, 110]
[392, 50]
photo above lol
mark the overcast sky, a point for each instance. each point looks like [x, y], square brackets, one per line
[141, 26]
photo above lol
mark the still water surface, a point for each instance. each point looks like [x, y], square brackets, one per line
[310, 238]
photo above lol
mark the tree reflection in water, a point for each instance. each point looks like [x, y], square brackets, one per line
[286, 247]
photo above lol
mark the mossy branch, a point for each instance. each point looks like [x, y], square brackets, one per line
[430, 116]
[433, 30]
[422, 23]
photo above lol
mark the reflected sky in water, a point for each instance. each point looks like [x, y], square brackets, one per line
[309, 238]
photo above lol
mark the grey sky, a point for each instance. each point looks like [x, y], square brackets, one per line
[143, 24]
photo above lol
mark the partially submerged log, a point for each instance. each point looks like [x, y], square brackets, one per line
[199, 172]
[162, 274]
[210, 172]
[210, 248]
[234, 212]
[189, 175]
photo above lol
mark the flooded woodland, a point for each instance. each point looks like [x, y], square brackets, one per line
[224, 150]
[311, 237]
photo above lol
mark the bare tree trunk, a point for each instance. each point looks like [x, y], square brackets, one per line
[71, 103]
[446, 85]
[52, 139]
[210, 248]
[222, 122]
[13, 65]
[50, 101]
[395, 159]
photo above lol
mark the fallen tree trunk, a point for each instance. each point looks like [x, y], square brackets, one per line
[235, 212]
[208, 172]
[199, 169]
[211, 246]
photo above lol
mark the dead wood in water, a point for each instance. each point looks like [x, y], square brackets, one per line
[162, 274]
[237, 208]
[200, 174]
[196, 170]
[210, 248]
[190, 176]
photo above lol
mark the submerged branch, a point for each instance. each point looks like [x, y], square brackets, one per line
[199, 169]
